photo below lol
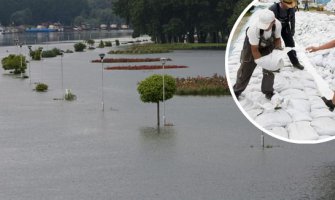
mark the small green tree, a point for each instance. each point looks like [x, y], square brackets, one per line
[36, 54]
[151, 90]
[101, 44]
[14, 62]
[79, 47]
[117, 42]
[90, 43]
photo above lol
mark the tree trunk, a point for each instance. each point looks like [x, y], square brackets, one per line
[158, 120]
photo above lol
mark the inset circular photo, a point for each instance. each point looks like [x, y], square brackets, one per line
[280, 69]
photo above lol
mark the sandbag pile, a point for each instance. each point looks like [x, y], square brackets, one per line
[296, 111]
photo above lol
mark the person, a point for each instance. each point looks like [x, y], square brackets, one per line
[297, 6]
[306, 5]
[331, 44]
[262, 37]
[284, 11]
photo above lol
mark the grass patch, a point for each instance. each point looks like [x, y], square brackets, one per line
[202, 86]
[166, 48]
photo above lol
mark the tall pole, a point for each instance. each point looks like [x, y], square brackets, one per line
[61, 61]
[262, 139]
[102, 55]
[163, 60]
[21, 59]
[41, 51]
[29, 47]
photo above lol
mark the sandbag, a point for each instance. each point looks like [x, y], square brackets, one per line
[272, 61]
[277, 118]
[302, 131]
[280, 131]
[324, 126]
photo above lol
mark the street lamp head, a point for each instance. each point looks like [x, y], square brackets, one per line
[62, 53]
[102, 55]
[29, 47]
[21, 44]
[163, 60]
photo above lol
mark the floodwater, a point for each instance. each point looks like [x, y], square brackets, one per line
[51, 149]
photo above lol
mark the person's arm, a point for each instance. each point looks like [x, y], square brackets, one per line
[255, 52]
[327, 45]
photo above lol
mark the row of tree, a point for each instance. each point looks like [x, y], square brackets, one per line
[69, 12]
[177, 20]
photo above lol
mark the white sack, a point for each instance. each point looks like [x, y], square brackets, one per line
[273, 61]
[302, 131]
[324, 126]
[270, 120]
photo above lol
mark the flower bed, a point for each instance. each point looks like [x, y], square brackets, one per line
[215, 85]
[145, 67]
[125, 60]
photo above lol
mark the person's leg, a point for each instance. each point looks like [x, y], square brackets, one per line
[289, 42]
[267, 83]
[333, 100]
[244, 74]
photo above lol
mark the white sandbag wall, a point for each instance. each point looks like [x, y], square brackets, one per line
[296, 111]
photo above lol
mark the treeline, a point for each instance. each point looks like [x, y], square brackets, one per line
[69, 12]
[177, 20]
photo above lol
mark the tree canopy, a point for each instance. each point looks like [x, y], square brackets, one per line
[175, 20]
[18, 12]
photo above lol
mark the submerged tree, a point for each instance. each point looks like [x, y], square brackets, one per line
[14, 62]
[151, 90]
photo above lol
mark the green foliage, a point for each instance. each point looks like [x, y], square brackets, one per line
[101, 44]
[14, 62]
[173, 20]
[79, 47]
[51, 53]
[69, 96]
[68, 51]
[151, 88]
[117, 42]
[165, 48]
[90, 42]
[36, 54]
[41, 87]
[108, 43]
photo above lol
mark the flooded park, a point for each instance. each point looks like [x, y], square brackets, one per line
[54, 149]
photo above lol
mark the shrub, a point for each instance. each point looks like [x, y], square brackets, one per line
[36, 54]
[41, 87]
[14, 62]
[117, 42]
[79, 47]
[101, 44]
[108, 43]
[68, 51]
[69, 96]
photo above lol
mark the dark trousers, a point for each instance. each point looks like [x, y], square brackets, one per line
[289, 42]
[244, 74]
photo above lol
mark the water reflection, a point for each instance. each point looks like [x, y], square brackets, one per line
[157, 139]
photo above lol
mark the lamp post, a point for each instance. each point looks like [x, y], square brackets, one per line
[102, 55]
[163, 60]
[29, 47]
[41, 51]
[61, 63]
[21, 59]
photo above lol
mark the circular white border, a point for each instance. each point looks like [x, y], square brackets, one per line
[238, 103]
